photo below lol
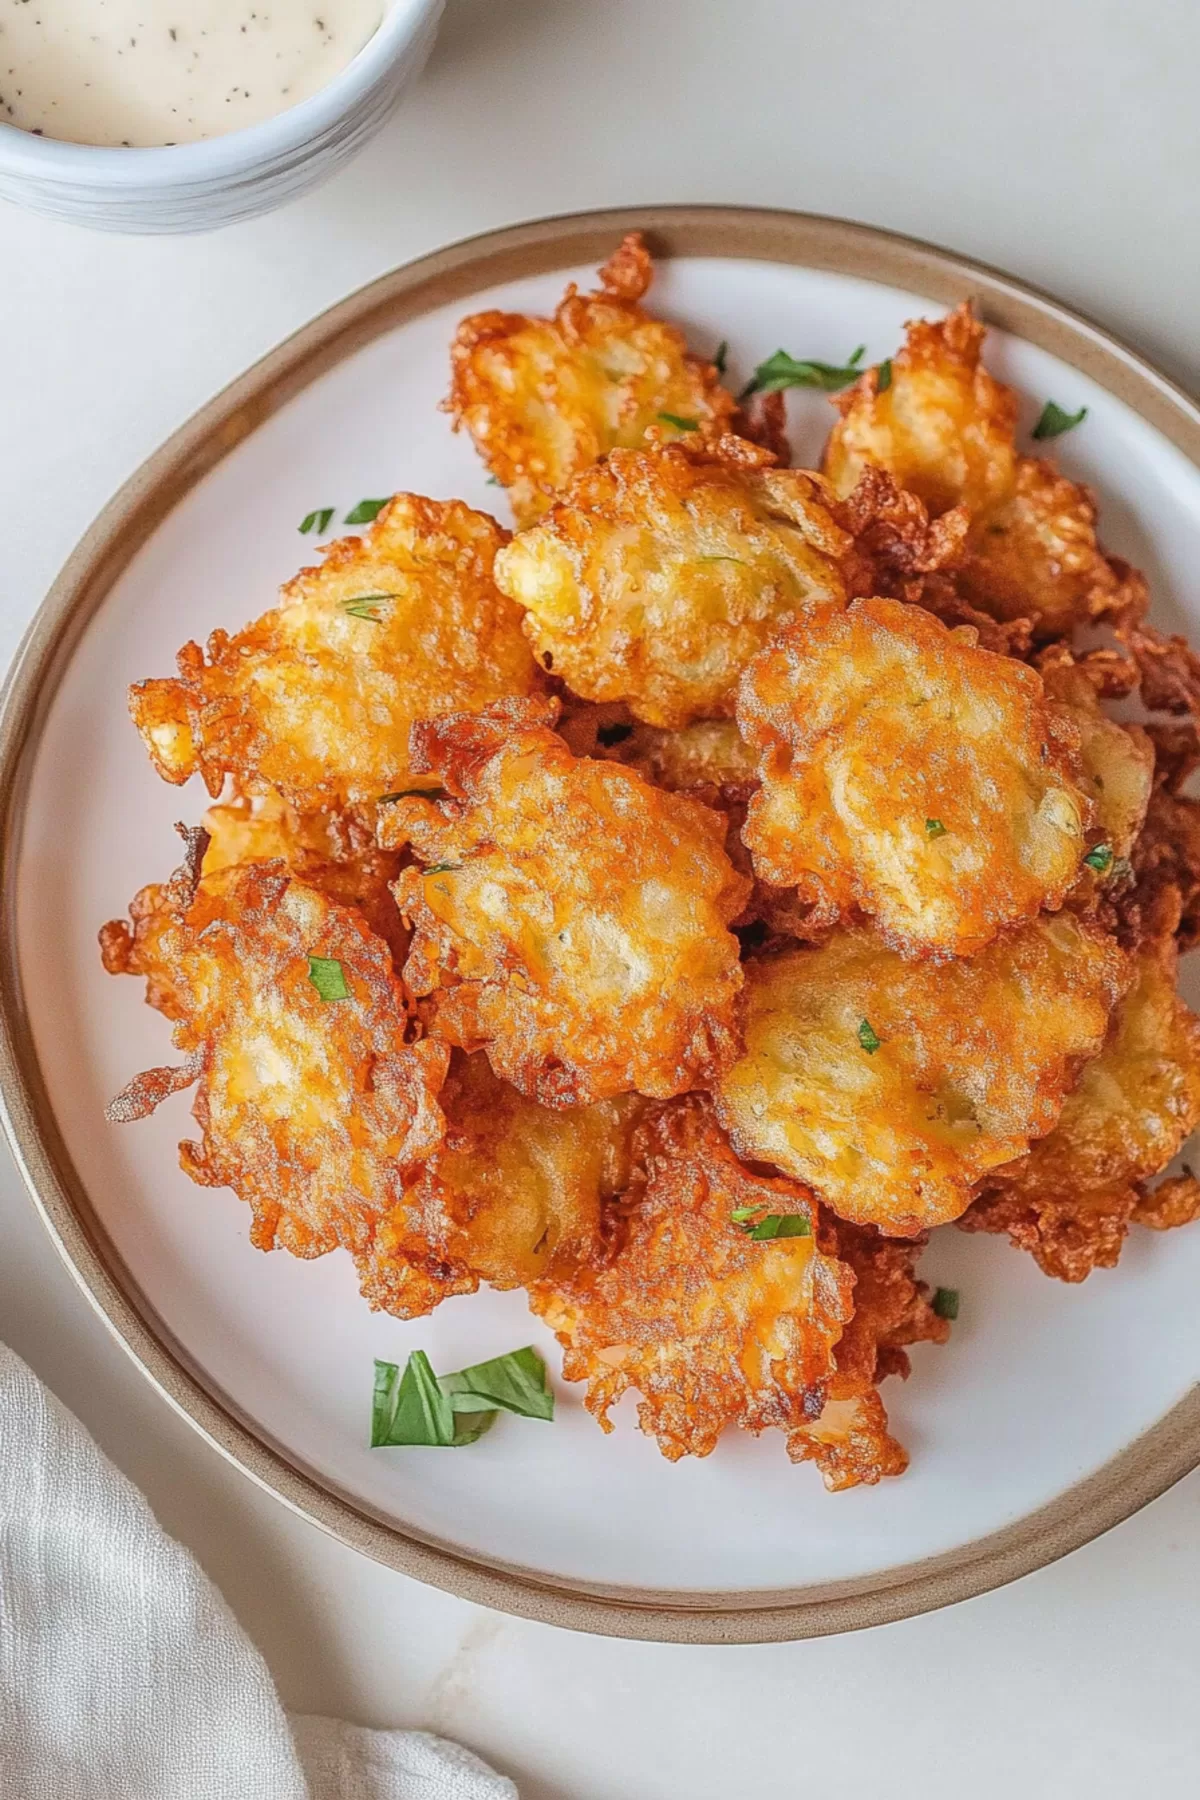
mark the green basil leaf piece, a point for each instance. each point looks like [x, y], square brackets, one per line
[366, 511]
[328, 977]
[1054, 421]
[517, 1382]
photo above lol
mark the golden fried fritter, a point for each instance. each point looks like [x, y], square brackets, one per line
[711, 1327]
[849, 1440]
[314, 1110]
[1116, 761]
[1070, 1200]
[660, 572]
[543, 398]
[911, 776]
[316, 698]
[333, 852]
[573, 920]
[946, 430]
[891, 1086]
[711, 762]
[513, 1195]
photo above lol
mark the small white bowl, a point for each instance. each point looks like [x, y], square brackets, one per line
[194, 187]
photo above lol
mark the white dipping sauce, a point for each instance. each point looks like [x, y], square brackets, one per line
[142, 72]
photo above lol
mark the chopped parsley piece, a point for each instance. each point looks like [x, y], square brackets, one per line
[1100, 858]
[317, 521]
[679, 423]
[442, 868]
[934, 828]
[771, 1225]
[784, 371]
[328, 977]
[1054, 421]
[945, 1303]
[719, 358]
[365, 511]
[868, 1037]
[421, 1408]
[362, 606]
[883, 376]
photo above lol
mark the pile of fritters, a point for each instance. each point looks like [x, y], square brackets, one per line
[680, 907]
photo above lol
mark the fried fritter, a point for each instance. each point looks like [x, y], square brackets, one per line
[946, 430]
[512, 1196]
[711, 762]
[335, 853]
[849, 1440]
[910, 776]
[314, 1110]
[1116, 761]
[573, 920]
[317, 697]
[543, 398]
[892, 1086]
[711, 1327]
[1070, 1200]
[660, 572]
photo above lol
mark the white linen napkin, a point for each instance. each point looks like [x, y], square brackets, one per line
[123, 1674]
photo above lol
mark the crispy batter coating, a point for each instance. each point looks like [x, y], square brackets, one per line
[335, 855]
[711, 1327]
[660, 572]
[573, 920]
[314, 1111]
[947, 431]
[316, 698]
[1116, 761]
[543, 398]
[892, 1086]
[849, 1440]
[911, 776]
[711, 762]
[512, 1196]
[1165, 858]
[333, 852]
[1070, 1200]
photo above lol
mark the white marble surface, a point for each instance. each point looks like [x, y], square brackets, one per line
[1057, 138]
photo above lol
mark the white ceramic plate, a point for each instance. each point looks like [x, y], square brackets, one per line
[1041, 1386]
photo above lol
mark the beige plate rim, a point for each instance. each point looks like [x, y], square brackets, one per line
[1142, 1471]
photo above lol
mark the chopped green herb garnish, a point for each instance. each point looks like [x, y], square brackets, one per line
[442, 868]
[1100, 858]
[432, 793]
[945, 1303]
[366, 511]
[868, 1037]
[317, 521]
[883, 376]
[328, 977]
[679, 423]
[493, 481]
[362, 606]
[419, 1408]
[784, 371]
[934, 828]
[771, 1225]
[719, 358]
[1054, 421]
[516, 1382]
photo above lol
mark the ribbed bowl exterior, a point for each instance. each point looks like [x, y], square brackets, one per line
[198, 187]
